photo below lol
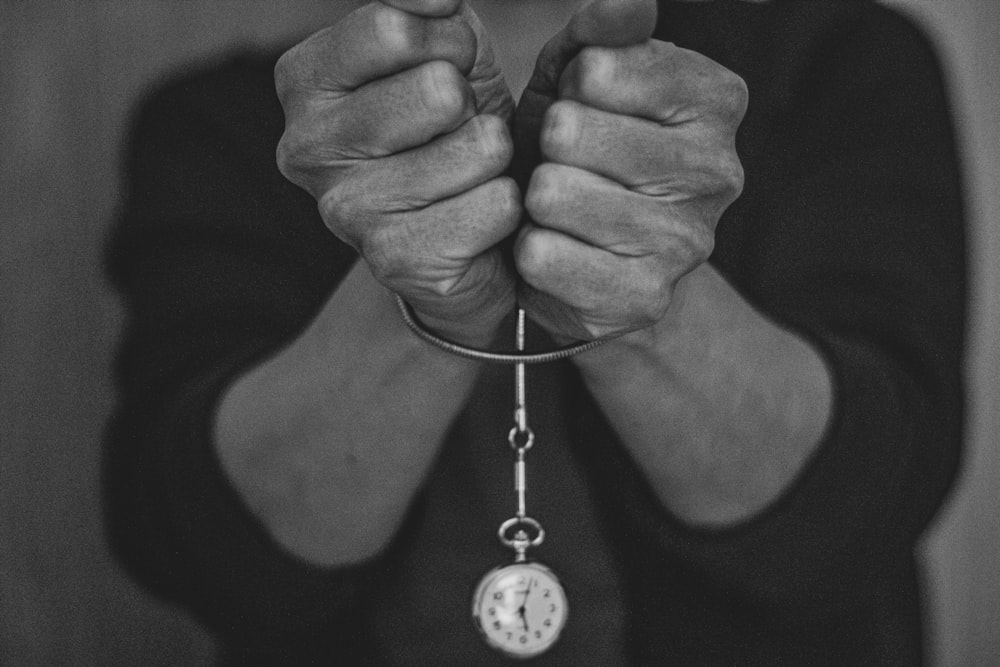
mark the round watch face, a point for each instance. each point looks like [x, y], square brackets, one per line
[520, 608]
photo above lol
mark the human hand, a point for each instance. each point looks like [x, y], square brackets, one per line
[396, 122]
[638, 161]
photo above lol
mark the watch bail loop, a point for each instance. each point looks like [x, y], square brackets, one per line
[528, 533]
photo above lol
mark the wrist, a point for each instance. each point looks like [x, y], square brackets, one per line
[677, 333]
[470, 313]
[479, 328]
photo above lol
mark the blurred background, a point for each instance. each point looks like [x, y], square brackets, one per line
[70, 72]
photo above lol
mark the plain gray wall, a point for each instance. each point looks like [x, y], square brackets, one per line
[69, 73]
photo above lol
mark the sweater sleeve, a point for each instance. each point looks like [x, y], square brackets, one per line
[850, 232]
[220, 261]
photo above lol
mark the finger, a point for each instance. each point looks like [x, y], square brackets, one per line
[483, 293]
[612, 23]
[444, 259]
[603, 214]
[596, 210]
[389, 115]
[439, 241]
[676, 163]
[654, 80]
[374, 41]
[583, 290]
[582, 275]
[447, 166]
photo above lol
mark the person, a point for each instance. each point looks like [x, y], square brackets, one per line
[755, 206]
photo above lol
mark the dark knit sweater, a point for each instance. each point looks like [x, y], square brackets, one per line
[849, 231]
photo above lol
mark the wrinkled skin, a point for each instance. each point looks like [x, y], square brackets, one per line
[400, 124]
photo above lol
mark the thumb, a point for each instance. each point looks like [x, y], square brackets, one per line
[598, 23]
[612, 23]
[485, 78]
[609, 23]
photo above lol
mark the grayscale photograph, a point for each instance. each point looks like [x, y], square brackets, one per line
[500, 332]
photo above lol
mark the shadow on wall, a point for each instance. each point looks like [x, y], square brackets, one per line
[71, 73]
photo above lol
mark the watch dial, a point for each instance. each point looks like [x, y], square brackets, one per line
[520, 608]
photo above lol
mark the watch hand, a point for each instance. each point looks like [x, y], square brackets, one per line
[524, 604]
[527, 591]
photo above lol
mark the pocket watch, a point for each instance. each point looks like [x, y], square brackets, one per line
[520, 608]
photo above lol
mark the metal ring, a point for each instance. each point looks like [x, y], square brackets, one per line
[486, 355]
[511, 438]
[521, 544]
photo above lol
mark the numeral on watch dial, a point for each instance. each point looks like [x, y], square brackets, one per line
[520, 609]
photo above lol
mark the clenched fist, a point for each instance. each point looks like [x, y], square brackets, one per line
[638, 161]
[396, 120]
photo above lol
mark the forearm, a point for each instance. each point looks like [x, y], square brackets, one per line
[719, 406]
[328, 441]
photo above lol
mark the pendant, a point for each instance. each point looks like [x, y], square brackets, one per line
[520, 608]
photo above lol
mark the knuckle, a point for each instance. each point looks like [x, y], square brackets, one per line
[594, 71]
[414, 38]
[284, 157]
[493, 140]
[496, 211]
[335, 205]
[345, 211]
[305, 155]
[560, 129]
[396, 31]
[700, 244]
[507, 203]
[531, 257]
[296, 69]
[292, 158]
[739, 94]
[733, 176]
[718, 174]
[644, 294]
[543, 192]
[443, 90]
[732, 95]
[687, 246]
[389, 259]
[729, 176]
[284, 74]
